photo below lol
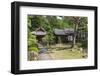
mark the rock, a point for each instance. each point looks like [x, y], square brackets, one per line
[81, 49]
[32, 55]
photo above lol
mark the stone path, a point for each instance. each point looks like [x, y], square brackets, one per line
[44, 56]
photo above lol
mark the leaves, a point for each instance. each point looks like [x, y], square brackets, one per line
[49, 23]
[32, 43]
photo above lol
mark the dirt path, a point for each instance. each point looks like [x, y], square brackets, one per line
[44, 56]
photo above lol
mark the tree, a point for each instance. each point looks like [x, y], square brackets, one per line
[49, 23]
[76, 21]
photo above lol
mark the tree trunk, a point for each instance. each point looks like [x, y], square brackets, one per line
[74, 37]
[59, 41]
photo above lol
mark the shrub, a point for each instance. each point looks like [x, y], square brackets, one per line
[32, 43]
[33, 49]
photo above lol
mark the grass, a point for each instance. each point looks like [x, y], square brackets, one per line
[63, 53]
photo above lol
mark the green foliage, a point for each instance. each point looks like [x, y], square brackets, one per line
[49, 23]
[83, 24]
[32, 43]
[31, 39]
[35, 49]
[84, 43]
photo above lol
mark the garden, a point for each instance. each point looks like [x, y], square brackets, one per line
[57, 37]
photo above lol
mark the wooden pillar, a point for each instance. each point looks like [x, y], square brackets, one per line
[59, 40]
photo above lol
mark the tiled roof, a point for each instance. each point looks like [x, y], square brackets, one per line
[39, 33]
[63, 31]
